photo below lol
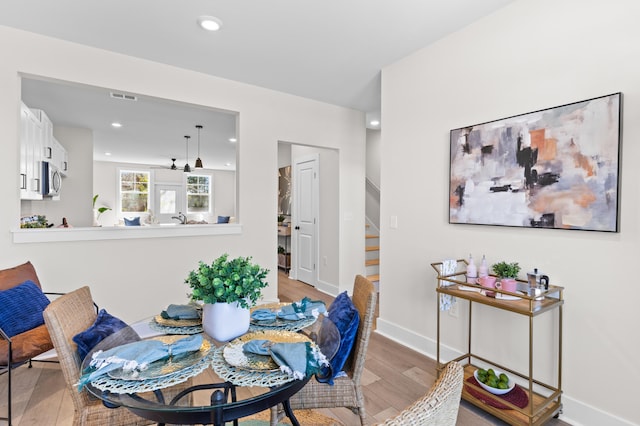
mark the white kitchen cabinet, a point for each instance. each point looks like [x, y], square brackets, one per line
[47, 134]
[64, 161]
[59, 156]
[53, 151]
[31, 152]
[37, 144]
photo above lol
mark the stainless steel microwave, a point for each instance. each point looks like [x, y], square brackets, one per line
[51, 180]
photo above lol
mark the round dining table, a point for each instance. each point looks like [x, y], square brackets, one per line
[151, 396]
[221, 409]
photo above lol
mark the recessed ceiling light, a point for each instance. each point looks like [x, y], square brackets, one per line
[210, 23]
[227, 164]
[116, 124]
[233, 140]
[374, 122]
[107, 154]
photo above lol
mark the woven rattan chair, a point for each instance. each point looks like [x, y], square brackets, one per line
[439, 407]
[65, 317]
[346, 391]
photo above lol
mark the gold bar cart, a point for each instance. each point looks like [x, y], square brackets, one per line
[544, 399]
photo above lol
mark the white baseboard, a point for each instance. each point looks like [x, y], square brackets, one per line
[574, 412]
[327, 288]
[578, 413]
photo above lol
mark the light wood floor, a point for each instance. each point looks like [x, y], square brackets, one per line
[394, 377]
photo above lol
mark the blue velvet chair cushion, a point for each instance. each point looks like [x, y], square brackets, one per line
[104, 326]
[132, 222]
[345, 316]
[223, 219]
[21, 308]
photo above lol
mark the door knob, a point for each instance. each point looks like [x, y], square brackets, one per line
[297, 228]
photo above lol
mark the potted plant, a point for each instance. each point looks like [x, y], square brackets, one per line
[506, 270]
[228, 288]
[97, 212]
[280, 219]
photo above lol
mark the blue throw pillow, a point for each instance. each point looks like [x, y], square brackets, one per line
[223, 219]
[345, 316]
[132, 222]
[21, 308]
[104, 326]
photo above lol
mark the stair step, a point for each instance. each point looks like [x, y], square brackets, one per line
[372, 262]
[372, 248]
[372, 278]
[371, 236]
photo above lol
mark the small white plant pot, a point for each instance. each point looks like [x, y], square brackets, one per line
[225, 321]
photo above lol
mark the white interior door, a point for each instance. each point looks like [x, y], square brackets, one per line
[306, 193]
[168, 202]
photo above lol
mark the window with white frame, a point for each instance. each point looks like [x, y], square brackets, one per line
[198, 193]
[134, 191]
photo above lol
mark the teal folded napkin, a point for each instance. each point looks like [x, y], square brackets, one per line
[178, 312]
[298, 360]
[306, 308]
[265, 315]
[258, 346]
[136, 356]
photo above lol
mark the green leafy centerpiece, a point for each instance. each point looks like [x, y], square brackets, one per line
[506, 270]
[228, 288]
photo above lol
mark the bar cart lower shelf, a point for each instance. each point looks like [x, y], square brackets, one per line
[511, 416]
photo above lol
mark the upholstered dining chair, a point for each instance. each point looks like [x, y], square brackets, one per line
[65, 317]
[439, 406]
[19, 348]
[346, 391]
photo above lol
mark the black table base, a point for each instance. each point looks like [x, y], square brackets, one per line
[224, 405]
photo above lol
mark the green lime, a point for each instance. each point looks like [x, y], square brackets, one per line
[491, 372]
[503, 385]
[504, 378]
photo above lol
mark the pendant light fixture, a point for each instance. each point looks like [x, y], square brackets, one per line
[198, 160]
[173, 164]
[187, 168]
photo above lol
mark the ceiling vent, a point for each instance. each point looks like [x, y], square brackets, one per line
[123, 96]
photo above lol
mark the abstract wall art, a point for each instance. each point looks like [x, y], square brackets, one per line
[554, 168]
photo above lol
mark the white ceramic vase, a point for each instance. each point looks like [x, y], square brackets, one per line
[225, 321]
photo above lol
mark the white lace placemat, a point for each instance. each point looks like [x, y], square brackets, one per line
[166, 329]
[107, 383]
[285, 325]
[246, 377]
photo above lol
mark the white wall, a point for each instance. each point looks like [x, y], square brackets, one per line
[135, 278]
[105, 186]
[224, 192]
[284, 154]
[528, 56]
[373, 156]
